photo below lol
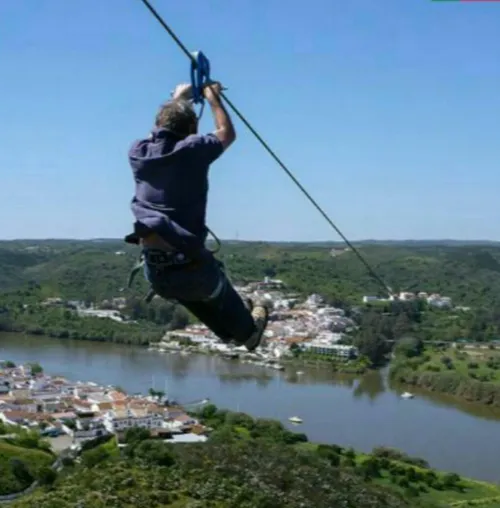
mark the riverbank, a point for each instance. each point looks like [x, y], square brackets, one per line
[357, 366]
[263, 359]
[471, 374]
[65, 324]
[362, 412]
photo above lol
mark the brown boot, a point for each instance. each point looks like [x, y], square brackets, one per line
[260, 316]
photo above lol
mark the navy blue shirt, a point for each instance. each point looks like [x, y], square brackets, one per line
[171, 185]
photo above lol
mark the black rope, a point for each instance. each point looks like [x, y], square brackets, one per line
[271, 152]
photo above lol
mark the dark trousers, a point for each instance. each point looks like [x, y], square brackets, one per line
[204, 289]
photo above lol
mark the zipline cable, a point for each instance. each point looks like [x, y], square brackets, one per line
[271, 152]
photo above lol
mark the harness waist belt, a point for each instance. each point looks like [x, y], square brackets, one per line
[162, 259]
[154, 241]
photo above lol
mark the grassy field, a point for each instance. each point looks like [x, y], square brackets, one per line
[481, 364]
[468, 373]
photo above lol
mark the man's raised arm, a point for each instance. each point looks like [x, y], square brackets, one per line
[224, 128]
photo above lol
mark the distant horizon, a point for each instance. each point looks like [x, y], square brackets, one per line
[234, 240]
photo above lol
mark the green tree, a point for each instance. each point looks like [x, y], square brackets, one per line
[401, 326]
[329, 453]
[46, 476]
[21, 472]
[373, 346]
[90, 458]
[451, 481]
[411, 474]
[67, 461]
[370, 468]
[240, 420]
[268, 429]
[350, 453]
[155, 452]
[409, 347]
[36, 368]
[295, 350]
[136, 435]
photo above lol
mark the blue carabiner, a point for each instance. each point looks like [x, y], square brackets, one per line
[200, 76]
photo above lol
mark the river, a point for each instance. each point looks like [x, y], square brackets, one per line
[364, 413]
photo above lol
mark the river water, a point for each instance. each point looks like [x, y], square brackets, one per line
[361, 413]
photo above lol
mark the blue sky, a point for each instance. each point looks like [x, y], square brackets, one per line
[387, 111]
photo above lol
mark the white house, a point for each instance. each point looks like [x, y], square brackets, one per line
[187, 438]
[439, 301]
[122, 420]
[331, 312]
[24, 405]
[270, 284]
[323, 348]
[330, 337]
[314, 301]
[406, 296]
[92, 430]
[115, 315]
[39, 383]
[50, 405]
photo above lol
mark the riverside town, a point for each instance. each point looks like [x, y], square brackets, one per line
[296, 325]
[83, 410]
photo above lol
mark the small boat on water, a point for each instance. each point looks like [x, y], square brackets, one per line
[407, 395]
[295, 419]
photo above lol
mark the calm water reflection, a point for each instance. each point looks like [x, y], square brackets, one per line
[361, 413]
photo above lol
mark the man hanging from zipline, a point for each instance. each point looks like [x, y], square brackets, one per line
[170, 170]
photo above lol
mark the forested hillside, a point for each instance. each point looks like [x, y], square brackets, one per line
[251, 463]
[96, 270]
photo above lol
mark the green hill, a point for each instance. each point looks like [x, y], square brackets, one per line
[250, 463]
[19, 467]
[94, 271]
[470, 274]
